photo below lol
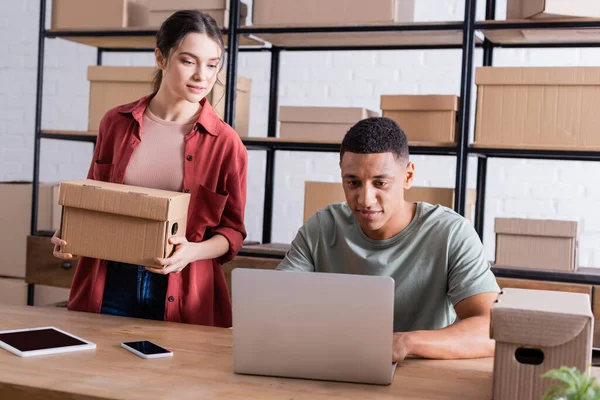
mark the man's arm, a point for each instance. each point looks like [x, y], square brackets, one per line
[467, 338]
[472, 288]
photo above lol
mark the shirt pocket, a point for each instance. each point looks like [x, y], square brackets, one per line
[102, 171]
[208, 209]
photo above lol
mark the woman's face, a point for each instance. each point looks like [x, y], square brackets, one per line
[192, 67]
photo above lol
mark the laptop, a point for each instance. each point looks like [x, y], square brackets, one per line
[311, 325]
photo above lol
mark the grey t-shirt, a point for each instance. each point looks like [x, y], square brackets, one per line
[437, 261]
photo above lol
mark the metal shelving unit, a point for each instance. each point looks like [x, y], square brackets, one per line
[463, 35]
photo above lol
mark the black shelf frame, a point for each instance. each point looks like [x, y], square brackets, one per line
[462, 150]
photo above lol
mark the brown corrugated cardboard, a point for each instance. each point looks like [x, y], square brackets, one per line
[160, 10]
[122, 223]
[94, 14]
[521, 9]
[536, 331]
[319, 123]
[318, 195]
[13, 292]
[331, 12]
[442, 196]
[16, 214]
[536, 244]
[539, 107]
[113, 86]
[424, 118]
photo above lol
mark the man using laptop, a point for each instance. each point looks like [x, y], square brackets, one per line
[444, 285]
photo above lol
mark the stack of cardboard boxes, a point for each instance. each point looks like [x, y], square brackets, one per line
[142, 14]
[15, 217]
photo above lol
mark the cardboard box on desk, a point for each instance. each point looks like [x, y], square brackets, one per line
[319, 123]
[536, 244]
[94, 14]
[536, 331]
[16, 214]
[318, 195]
[538, 108]
[330, 12]
[521, 9]
[160, 10]
[424, 118]
[112, 86]
[122, 223]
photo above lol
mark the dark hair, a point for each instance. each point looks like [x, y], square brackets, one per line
[174, 29]
[376, 135]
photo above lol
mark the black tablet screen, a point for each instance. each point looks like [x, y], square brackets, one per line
[39, 340]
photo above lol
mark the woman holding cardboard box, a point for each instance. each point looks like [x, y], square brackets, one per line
[173, 140]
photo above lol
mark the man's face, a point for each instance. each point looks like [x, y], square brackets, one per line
[374, 185]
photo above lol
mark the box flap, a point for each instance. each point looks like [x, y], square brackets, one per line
[120, 74]
[539, 317]
[324, 115]
[536, 227]
[174, 5]
[134, 201]
[537, 76]
[419, 102]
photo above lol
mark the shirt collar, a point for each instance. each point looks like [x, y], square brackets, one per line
[208, 117]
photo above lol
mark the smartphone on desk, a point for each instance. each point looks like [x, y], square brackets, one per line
[146, 349]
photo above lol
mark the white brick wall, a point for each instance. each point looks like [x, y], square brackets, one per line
[516, 188]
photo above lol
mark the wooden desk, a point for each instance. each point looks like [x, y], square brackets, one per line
[201, 367]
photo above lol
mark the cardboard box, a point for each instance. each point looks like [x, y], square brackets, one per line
[94, 14]
[16, 214]
[536, 331]
[122, 223]
[424, 118]
[521, 9]
[536, 244]
[538, 108]
[160, 10]
[319, 123]
[13, 292]
[330, 12]
[318, 195]
[113, 86]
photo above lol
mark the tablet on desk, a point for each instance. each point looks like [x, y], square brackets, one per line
[41, 341]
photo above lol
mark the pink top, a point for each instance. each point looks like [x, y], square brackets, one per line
[158, 161]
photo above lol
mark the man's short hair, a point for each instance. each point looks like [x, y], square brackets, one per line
[376, 135]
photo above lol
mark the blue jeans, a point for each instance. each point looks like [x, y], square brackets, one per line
[132, 291]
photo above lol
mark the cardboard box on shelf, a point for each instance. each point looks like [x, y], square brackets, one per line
[122, 223]
[319, 123]
[538, 107]
[522, 9]
[536, 244]
[112, 86]
[536, 331]
[16, 214]
[13, 292]
[424, 118]
[331, 12]
[318, 195]
[98, 15]
[160, 10]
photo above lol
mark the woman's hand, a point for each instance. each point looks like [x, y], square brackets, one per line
[58, 243]
[185, 253]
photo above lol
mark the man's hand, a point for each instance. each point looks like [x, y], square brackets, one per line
[466, 338]
[400, 347]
